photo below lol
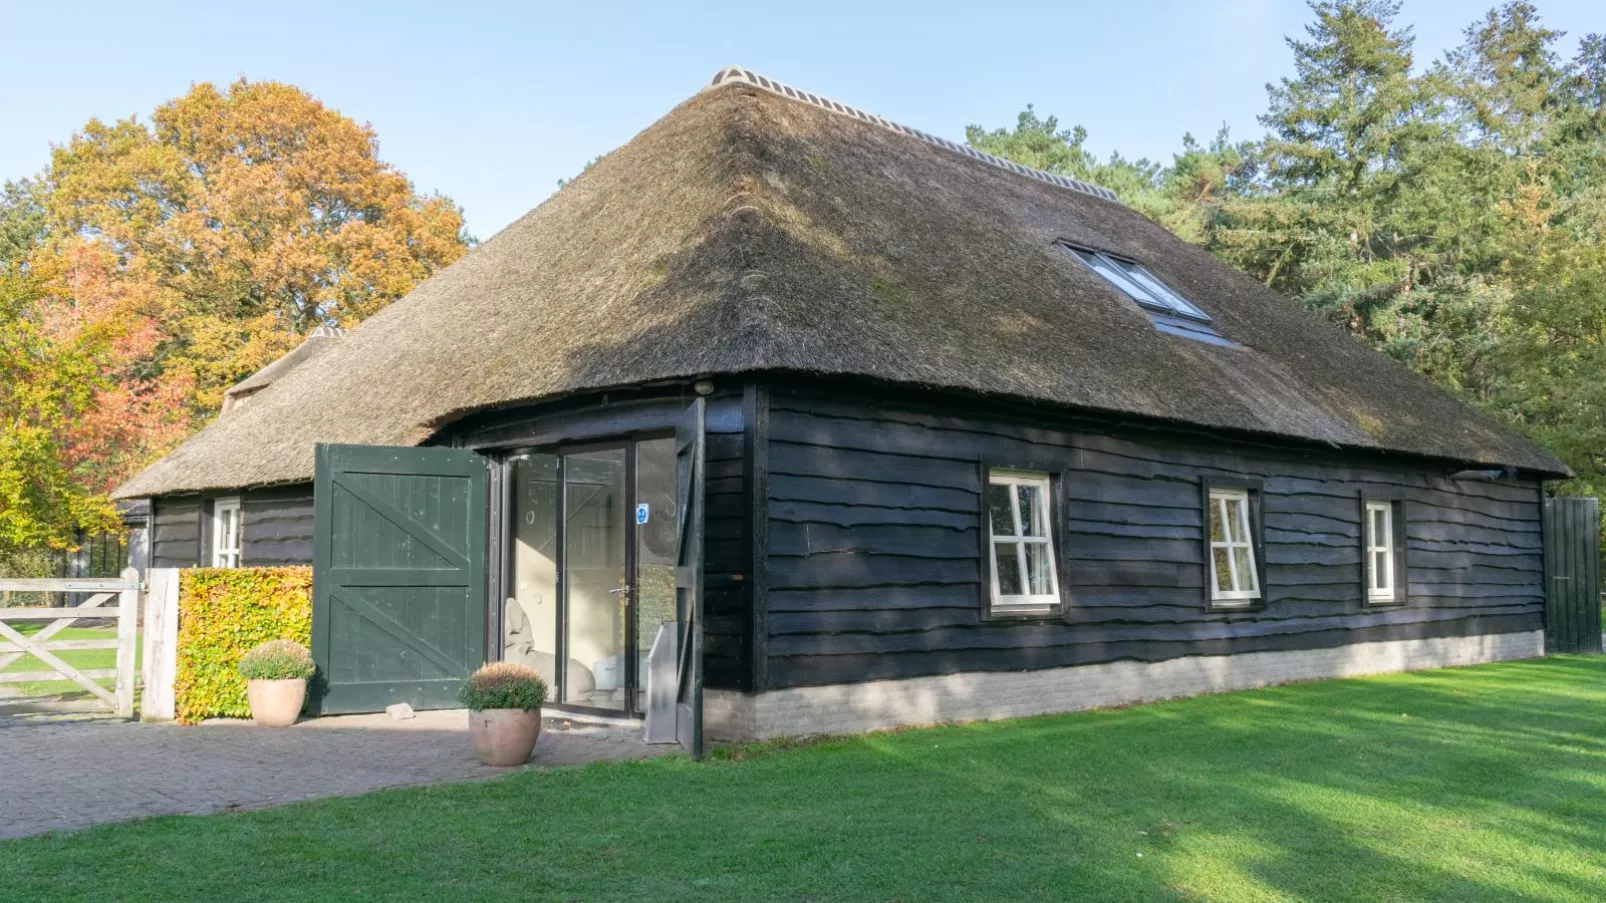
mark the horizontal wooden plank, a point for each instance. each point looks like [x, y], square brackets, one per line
[841, 491]
[817, 461]
[849, 569]
[1079, 527]
[867, 430]
[1521, 535]
[64, 585]
[1105, 488]
[109, 612]
[1022, 634]
[874, 539]
[856, 515]
[1117, 511]
[1296, 574]
[1475, 576]
[1092, 547]
[1306, 520]
[1131, 574]
[1307, 554]
[31, 677]
[890, 620]
[724, 446]
[60, 645]
[812, 670]
[873, 598]
[1095, 596]
[1432, 558]
[1305, 538]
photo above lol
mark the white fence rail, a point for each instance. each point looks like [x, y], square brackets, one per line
[14, 644]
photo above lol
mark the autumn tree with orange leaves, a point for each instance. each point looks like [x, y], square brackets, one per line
[154, 264]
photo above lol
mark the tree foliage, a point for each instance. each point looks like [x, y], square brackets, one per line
[153, 264]
[1451, 214]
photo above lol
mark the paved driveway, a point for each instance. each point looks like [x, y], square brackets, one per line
[64, 774]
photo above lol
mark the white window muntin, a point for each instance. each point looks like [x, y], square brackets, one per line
[1380, 578]
[1020, 541]
[1234, 579]
[226, 533]
[1137, 283]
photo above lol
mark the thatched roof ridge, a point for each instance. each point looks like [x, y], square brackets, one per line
[747, 231]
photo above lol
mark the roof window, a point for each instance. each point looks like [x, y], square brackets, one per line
[1168, 311]
[1138, 284]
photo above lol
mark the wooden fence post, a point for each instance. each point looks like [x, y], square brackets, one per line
[127, 633]
[160, 664]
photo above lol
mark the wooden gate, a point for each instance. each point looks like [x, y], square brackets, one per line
[14, 644]
[1572, 575]
[398, 612]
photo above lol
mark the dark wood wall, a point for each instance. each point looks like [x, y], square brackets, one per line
[727, 608]
[176, 531]
[276, 527]
[875, 569]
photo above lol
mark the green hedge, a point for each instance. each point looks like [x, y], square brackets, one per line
[222, 614]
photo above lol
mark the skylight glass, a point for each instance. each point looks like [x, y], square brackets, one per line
[1138, 284]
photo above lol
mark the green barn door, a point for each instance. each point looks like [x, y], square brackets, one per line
[398, 611]
[1572, 572]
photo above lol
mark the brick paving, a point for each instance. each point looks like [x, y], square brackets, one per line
[68, 772]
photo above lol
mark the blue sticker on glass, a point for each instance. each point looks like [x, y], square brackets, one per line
[641, 513]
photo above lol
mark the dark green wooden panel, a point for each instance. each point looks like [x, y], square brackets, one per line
[1572, 575]
[398, 576]
[691, 451]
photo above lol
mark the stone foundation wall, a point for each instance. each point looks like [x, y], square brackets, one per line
[854, 708]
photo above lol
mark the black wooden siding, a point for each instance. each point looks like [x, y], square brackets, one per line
[874, 566]
[176, 531]
[276, 528]
[727, 611]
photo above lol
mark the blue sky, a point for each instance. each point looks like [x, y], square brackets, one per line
[491, 103]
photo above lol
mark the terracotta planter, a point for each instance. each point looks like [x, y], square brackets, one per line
[276, 703]
[504, 737]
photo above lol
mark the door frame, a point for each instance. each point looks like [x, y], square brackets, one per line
[501, 531]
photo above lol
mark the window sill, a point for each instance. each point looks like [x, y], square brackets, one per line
[1022, 613]
[1384, 603]
[1254, 604]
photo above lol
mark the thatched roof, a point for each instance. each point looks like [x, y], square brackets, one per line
[750, 231]
[317, 342]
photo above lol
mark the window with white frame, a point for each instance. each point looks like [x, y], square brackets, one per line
[1380, 570]
[1234, 579]
[1137, 283]
[1019, 519]
[226, 533]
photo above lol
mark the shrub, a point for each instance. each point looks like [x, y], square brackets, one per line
[503, 685]
[278, 660]
[223, 613]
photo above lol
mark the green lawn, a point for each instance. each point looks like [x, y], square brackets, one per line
[78, 658]
[1483, 783]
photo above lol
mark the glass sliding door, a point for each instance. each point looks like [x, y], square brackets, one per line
[591, 575]
[530, 611]
[655, 525]
[596, 578]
